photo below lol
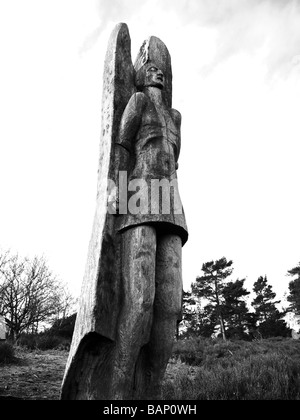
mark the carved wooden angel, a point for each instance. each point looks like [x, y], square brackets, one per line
[131, 295]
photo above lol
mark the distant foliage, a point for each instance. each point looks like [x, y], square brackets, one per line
[210, 286]
[269, 318]
[294, 290]
[197, 321]
[44, 341]
[274, 327]
[58, 337]
[264, 302]
[64, 327]
[235, 310]
[29, 341]
[6, 353]
[217, 306]
[30, 294]
[48, 342]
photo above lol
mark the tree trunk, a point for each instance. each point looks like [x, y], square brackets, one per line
[220, 315]
[222, 327]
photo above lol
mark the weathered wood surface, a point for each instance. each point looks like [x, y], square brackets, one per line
[100, 296]
[131, 294]
[3, 328]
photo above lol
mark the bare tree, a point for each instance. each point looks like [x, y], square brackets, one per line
[29, 294]
[67, 303]
[4, 258]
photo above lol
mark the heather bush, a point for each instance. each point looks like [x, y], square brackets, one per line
[179, 383]
[207, 369]
[260, 377]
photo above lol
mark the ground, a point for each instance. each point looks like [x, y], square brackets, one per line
[201, 369]
[35, 375]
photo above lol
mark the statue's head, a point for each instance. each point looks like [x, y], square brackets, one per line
[150, 75]
[153, 67]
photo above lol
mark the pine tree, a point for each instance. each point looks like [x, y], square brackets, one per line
[197, 321]
[294, 290]
[211, 285]
[189, 316]
[269, 317]
[235, 310]
[263, 303]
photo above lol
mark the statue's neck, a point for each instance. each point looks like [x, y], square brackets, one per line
[154, 94]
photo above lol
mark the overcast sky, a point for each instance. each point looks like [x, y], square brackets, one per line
[236, 68]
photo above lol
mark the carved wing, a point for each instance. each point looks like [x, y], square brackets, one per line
[118, 87]
[100, 296]
[99, 288]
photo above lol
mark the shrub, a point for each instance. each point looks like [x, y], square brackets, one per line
[202, 351]
[6, 353]
[43, 341]
[191, 350]
[28, 341]
[52, 342]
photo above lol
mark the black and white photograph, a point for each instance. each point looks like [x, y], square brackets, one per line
[149, 202]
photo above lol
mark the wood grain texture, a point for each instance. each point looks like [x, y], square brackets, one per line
[100, 296]
[132, 288]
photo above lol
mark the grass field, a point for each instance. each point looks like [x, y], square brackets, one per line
[200, 369]
[33, 375]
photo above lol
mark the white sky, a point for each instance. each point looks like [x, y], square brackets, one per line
[236, 68]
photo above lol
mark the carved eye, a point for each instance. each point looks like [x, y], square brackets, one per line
[152, 69]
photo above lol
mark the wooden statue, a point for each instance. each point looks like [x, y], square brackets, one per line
[132, 289]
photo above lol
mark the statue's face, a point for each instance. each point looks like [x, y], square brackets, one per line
[154, 76]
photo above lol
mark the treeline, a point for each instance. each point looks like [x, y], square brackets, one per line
[217, 305]
[31, 296]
